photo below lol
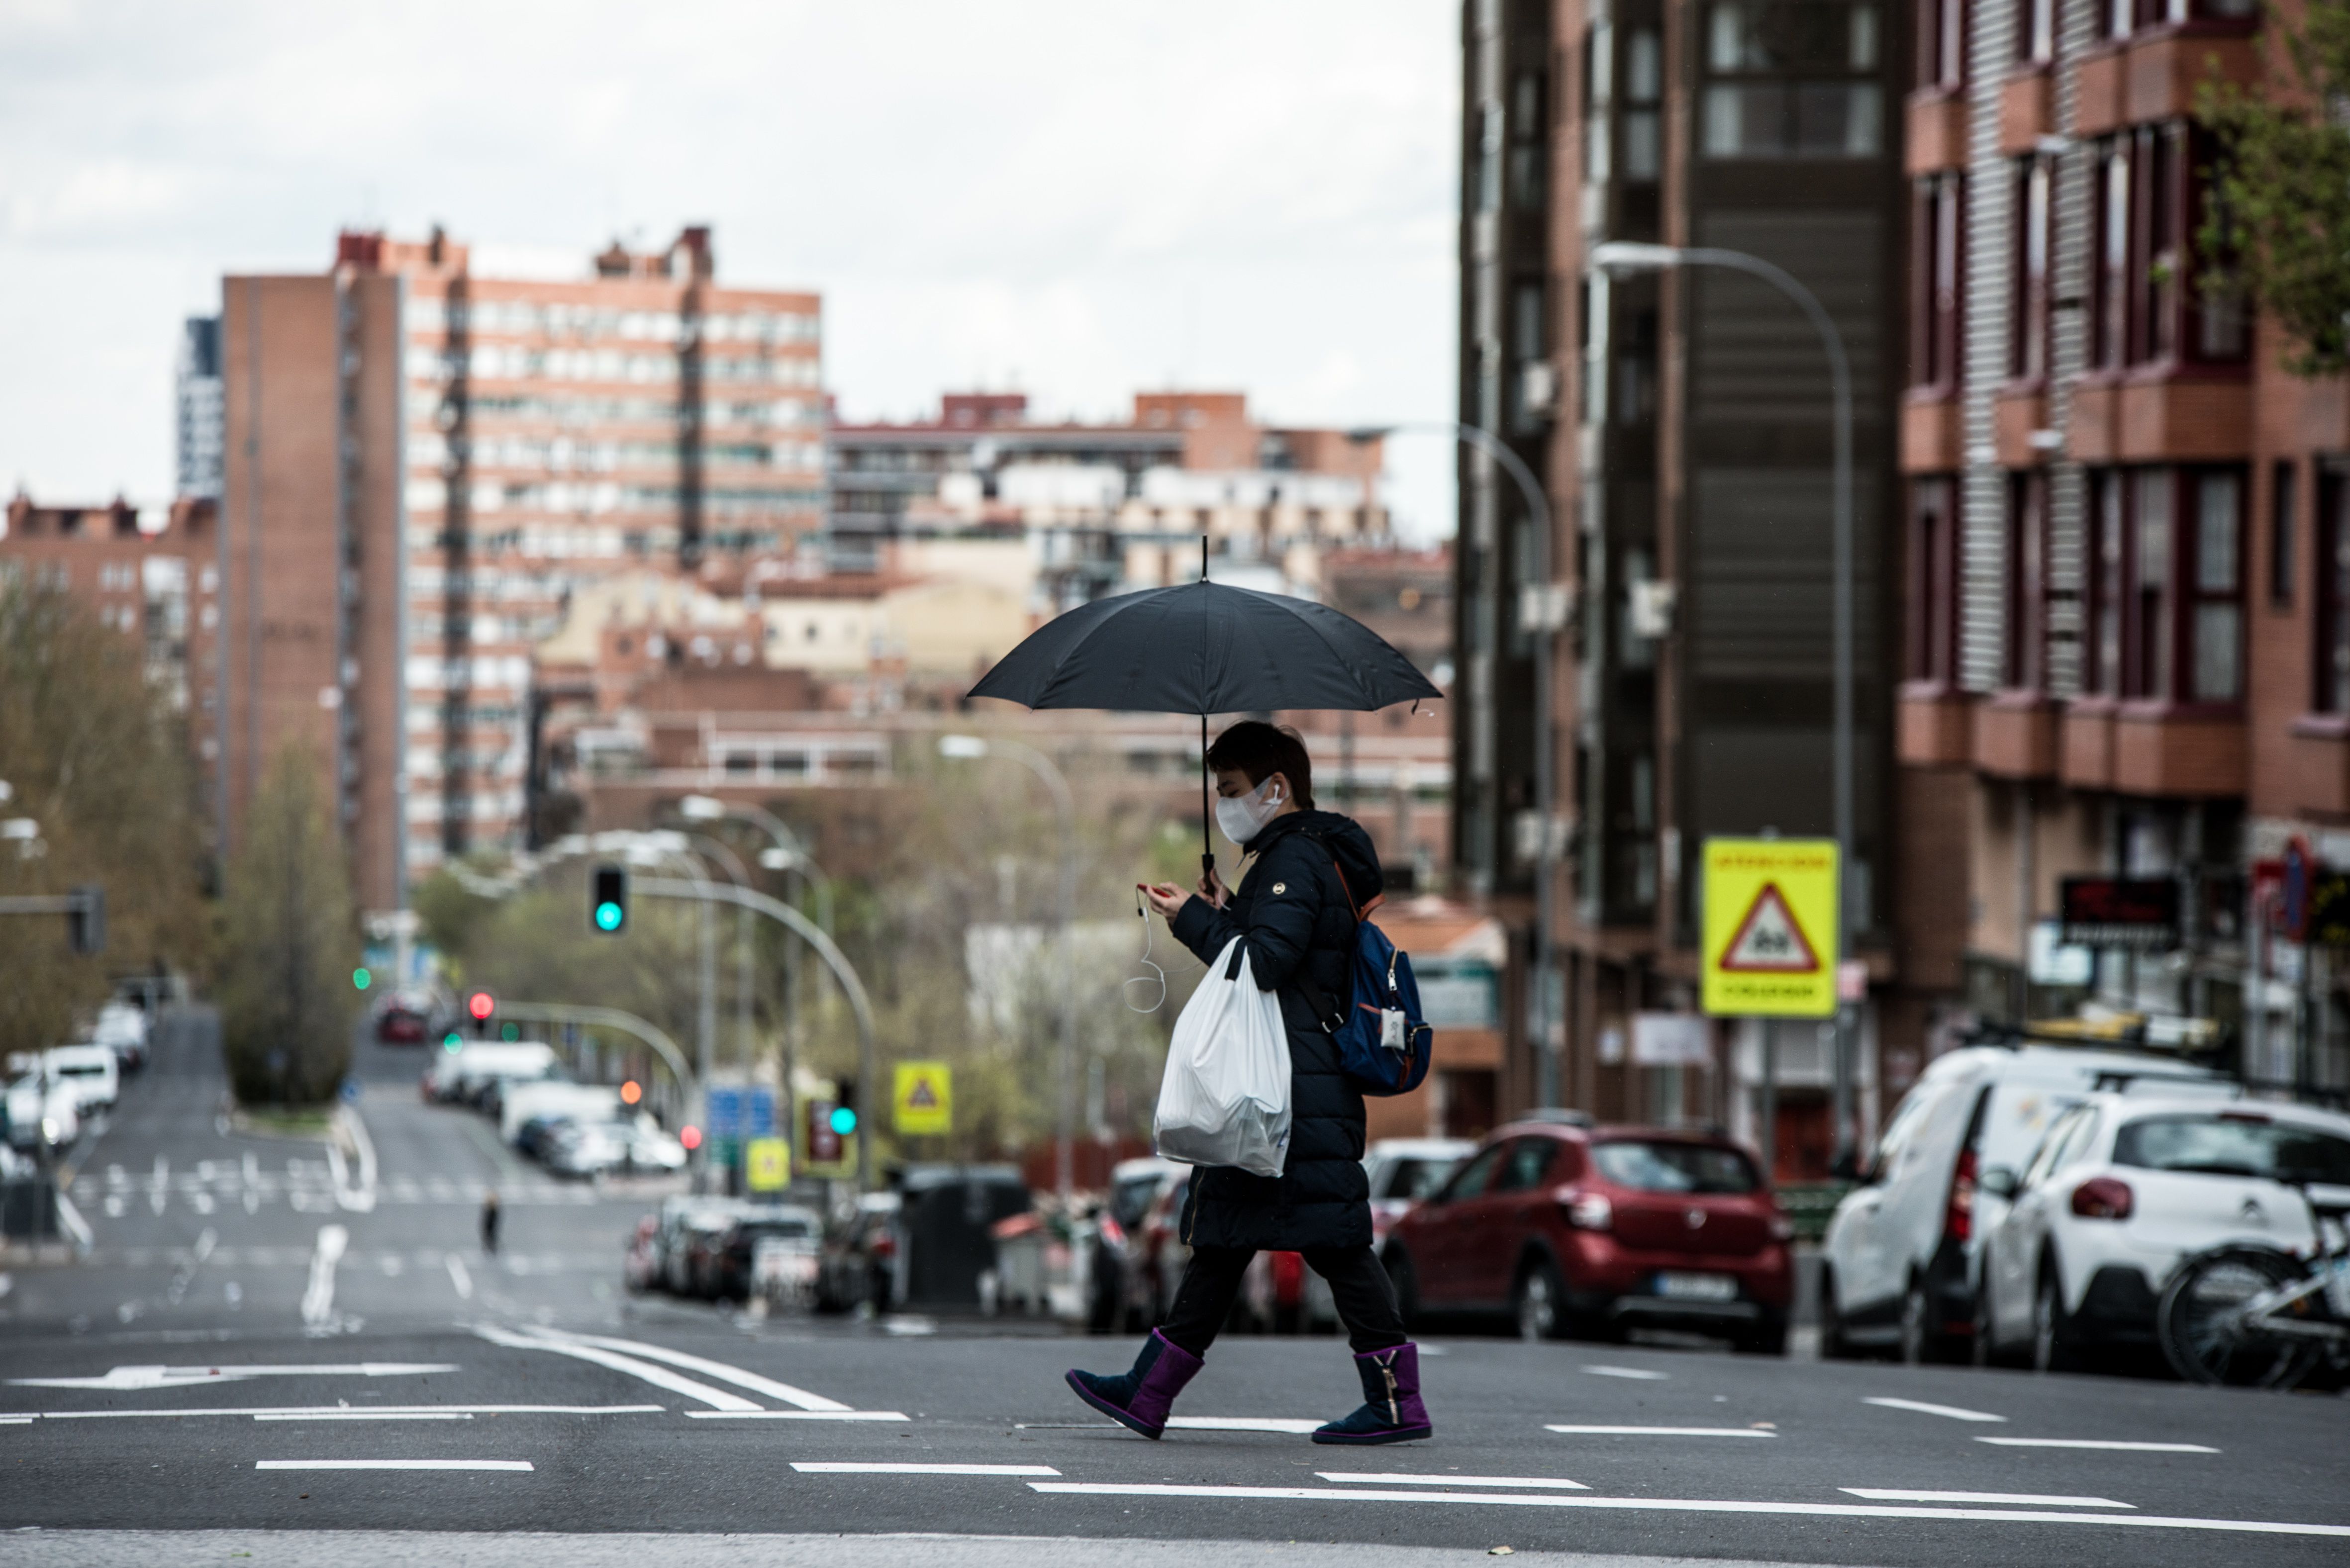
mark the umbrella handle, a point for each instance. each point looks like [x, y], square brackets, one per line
[1207, 816]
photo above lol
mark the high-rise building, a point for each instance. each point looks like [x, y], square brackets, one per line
[2127, 648]
[422, 462]
[196, 443]
[1680, 422]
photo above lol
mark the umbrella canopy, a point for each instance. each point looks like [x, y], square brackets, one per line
[1204, 648]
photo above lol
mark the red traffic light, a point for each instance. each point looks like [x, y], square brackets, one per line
[481, 1004]
[690, 1136]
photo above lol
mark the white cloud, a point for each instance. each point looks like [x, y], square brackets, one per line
[1086, 198]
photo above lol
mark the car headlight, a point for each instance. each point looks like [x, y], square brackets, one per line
[49, 1129]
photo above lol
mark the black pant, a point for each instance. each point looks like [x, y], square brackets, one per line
[1359, 1286]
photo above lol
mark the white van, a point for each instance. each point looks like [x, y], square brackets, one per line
[556, 1098]
[1902, 1258]
[92, 1072]
[41, 1111]
[465, 1073]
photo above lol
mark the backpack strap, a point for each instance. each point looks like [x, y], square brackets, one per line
[1326, 1013]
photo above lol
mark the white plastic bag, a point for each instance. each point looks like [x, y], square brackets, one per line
[1225, 1098]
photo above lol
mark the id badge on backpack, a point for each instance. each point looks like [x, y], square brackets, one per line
[1225, 1097]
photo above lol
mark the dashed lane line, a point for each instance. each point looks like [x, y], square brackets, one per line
[2115, 1446]
[799, 1398]
[2016, 1498]
[296, 1412]
[1694, 1505]
[391, 1464]
[366, 1415]
[142, 1378]
[319, 1299]
[1661, 1431]
[1955, 1412]
[644, 1371]
[1293, 1425]
[1533, 1483]
[829, 1468]
[1640, 1373]
[459, 1280]
[799, 1415]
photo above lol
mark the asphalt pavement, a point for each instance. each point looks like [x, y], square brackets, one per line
[300, 1350]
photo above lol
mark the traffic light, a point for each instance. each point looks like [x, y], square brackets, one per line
[481, 1006]
[85, 922]
[361, 978]
[821, 1139]
[607, 899]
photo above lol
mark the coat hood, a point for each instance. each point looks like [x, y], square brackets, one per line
[1349, 845]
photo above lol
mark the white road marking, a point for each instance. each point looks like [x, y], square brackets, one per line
[16, 1420]
[2018, 1499]
[644, 1371]
[1661, 1431]
[1243, 1424]
[391, 1464]
[1695, 1505]
[290, 1412]
[1639, 1373]
[190, 1377]
[800, 1398]
[2099, 1443]
[319, 1299]
[824, 1467]
[1954, 1412]
[459, 1278]
[1537, 1484]
[799, 1415]
[162, 1180]
[366, 1415]
[360, 1195]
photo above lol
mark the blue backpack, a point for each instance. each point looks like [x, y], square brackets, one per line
[1382, 1057]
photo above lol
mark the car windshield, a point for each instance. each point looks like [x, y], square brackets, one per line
[1416, 1176]
[1674, 1167]
[2234, 1145]
[796, 1228]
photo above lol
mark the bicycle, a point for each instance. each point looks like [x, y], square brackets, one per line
[2253, 1317]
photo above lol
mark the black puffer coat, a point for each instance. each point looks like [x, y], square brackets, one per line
[1293, 912]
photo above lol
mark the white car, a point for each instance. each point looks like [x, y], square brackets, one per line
[92, 1072]
[1403, 1170]
[1901, 1257]
[2125, 1187]
[121, 1028]
[42, 1111]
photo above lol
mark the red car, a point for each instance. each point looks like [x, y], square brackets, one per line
[1571, 1227]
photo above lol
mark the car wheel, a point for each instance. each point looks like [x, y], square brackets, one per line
[1406, 1283]
[1920, 1345]
[2053, 1347]
[1834, 1343]
[1540, 1302]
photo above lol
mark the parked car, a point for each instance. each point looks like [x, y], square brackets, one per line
[1902, 1255]
[91, 1072]
[860, 1256]
[1121, 1283]
[588, 1149]
[42, 1111]
[685, 1232]
[721, 1264]
[1403, 1171]
[1571, 1227]
[463, 1074]
[121, 1027]
[403, 1020]
[2123, 1189]
[638, 1264]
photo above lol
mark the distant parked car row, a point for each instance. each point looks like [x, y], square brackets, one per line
[58, 1090]
[579, 1131]
[727, 1249]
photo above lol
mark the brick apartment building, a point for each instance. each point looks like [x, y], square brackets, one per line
[2127, 648]
[1681, 424]
[422, 464]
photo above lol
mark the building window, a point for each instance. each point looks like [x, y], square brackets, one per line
[2024, 659]
[1938, 211]
[2282, 486]
[2100, 652]
[2331, 576]
[1942, 45]
[2150, 305]
[2216, 628]
[2035, 32]
[2167, 611]
[1643, 92]
[2028, 345]
[2124, 18]
[1801, 82]
[1933, 582]
[1529, 119]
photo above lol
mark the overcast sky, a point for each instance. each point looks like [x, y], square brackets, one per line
[1072, 197]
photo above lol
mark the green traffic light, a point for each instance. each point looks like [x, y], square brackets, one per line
[453, 1041]
[510, 1032]
[608, 916]
[844, 1120]
[361, 978]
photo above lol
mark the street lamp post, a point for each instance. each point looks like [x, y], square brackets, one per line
[1545, 620]
[1624, 255]
[971, 748]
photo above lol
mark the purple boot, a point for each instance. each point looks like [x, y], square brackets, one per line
[1140, 1398]
[1391, 1411]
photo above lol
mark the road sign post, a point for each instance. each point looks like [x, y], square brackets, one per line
[1771, 928]
[923, 1098]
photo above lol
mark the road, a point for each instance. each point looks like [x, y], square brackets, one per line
[223, 1376]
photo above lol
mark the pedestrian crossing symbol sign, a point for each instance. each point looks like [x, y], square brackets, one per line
[924, 1100]
[767, 1165]
[1770, 928]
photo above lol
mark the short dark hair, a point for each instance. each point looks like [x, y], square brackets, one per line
[1260, 750]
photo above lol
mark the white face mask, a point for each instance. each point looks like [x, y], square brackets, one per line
[1243, 816]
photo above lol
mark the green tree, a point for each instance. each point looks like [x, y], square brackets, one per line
[289, 940]
[99, 761]
[2277, 229]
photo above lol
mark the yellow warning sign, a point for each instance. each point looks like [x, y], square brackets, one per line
[924, 1100]
[767, 1165]
[1770, 946]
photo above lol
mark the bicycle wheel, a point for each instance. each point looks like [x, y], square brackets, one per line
[2201, 1321]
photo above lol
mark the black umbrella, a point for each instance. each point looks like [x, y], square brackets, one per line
[1203, 649]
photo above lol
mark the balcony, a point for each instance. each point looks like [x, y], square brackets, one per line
[1936, 132]
[2024, 115]
[2154, 75]
[2018, 413]
[1930, 438]
[2016, 736]
[2171, 748]
[2163, 415]
[2317, 775]
[1934, 728]
[2085, 743]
